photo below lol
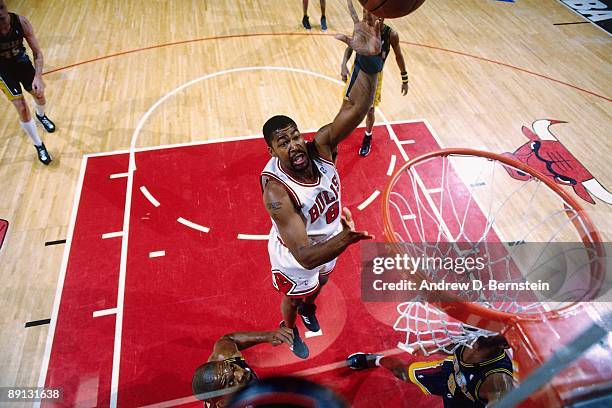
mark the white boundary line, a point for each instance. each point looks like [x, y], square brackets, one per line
[368, 200]
[105, 312]
[60, 280]
[253, 237]
[112, 235]
[157, 254]
[118, 175]
[308, 334]
[193, 225]
[433, 132]
[418, 179]
[391, 165]
[149, 196]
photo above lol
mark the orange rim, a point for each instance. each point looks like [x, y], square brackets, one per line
[470, 311]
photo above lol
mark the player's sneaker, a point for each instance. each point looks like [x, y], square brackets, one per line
[307, 313]
[365, 146]
[361, 361]
[47, 123]
[43, 154]
[306, 23]
[299, 348]
[323, 23]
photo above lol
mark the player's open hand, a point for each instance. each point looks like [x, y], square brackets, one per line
[348, 225]
[38, 86]
[366, 38]
[282, 335]
[344, 73]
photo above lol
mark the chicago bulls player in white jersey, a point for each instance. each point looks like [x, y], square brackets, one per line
[301, 192]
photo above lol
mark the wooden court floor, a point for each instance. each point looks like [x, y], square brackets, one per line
[479, 71]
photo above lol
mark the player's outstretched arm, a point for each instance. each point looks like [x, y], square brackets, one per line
[399, 58]
[344, 71]
[366, 41]
[292, 230]
[362, 361]
[231, 344]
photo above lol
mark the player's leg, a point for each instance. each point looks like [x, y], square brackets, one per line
[365, 148]
[323, 19]
[26, 77]
[285, 283]
[40, 104]
[289, 307]
[27, 124]
[305, 21]
[366, 143]
[307, 309]
[9, 84]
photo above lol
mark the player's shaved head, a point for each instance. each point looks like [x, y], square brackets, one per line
[213, 381]
[274, 124]
[498, 341]
[206, 378]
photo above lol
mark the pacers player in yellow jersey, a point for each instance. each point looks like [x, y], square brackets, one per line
[390, 39]
[17, 70]
[473, 377]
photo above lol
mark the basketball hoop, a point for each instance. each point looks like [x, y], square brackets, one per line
[454, 202]
[429, 330]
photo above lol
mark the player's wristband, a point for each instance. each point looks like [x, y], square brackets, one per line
[404, 77]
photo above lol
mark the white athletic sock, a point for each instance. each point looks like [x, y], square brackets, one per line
[40, 109]
[30, 128]
[369, 134]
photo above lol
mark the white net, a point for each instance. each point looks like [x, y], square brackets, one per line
[429, 329]
[458, 206]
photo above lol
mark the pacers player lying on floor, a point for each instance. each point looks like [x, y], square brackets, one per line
[226, 370]
[301, 192]
[474, 377]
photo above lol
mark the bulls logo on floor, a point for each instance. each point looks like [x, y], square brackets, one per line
[546, 153]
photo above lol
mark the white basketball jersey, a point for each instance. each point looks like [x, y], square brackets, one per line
[318, 202]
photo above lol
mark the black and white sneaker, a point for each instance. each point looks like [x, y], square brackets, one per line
[43, 154]
[365, 146]
[306, 23]
[47, 123]
[299, 348]
[307, 313]
[361, 361]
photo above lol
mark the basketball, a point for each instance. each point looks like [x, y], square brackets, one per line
[391, 8]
